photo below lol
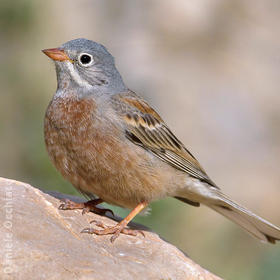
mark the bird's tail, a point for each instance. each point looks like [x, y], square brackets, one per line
[253, 224]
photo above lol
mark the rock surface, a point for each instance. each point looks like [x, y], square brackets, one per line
[38, 241]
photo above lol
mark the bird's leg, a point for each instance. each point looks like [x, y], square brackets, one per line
[89, 206]
[120, 227]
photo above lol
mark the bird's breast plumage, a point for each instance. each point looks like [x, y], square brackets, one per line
[68, 122]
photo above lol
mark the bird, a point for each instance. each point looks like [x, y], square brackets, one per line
[114, 147]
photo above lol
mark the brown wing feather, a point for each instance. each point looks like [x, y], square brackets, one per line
[145, 128]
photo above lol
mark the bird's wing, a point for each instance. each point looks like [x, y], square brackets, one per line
[144, 127]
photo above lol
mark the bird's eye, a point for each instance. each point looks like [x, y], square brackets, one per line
[85, 59]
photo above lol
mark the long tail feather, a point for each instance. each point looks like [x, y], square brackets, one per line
[253, 224]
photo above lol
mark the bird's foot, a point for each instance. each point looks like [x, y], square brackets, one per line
[115, 230]
[89, 206]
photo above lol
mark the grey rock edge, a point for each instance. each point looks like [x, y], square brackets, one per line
[38, 241]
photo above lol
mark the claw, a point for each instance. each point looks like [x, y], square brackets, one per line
[87, 230]
[97, 223]
[70, 205]
[115, 230]
[89, 206]
[85, 210]
[61, 207]
[115, 236]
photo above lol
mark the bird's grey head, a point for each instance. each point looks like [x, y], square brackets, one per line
[85, 65]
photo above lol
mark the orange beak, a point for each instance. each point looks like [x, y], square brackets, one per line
[56, 54]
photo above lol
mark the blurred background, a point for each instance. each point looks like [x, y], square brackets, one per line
[209, 67]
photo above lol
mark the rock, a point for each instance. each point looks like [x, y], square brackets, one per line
[38, 241]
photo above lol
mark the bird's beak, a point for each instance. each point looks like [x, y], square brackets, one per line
[57, 54]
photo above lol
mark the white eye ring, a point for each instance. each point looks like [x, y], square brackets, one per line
[85, 59]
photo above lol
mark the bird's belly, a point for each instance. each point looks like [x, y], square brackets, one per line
[109, 171]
